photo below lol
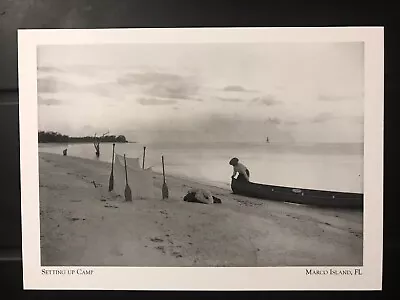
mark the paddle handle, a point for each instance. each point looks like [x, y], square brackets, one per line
[163, 168]
[126, 172]
[112, 160]
[144, 156]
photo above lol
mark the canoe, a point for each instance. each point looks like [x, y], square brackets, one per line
[320, 198]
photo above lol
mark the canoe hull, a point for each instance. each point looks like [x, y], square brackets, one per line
[299, 196]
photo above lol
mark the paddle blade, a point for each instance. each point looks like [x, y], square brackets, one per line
[111, 182]
[128, 193]
[165, 192]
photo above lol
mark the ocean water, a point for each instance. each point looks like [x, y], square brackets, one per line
[337, 167]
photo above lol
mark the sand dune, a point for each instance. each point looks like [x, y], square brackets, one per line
[88, 226]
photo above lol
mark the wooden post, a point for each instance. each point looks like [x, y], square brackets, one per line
[144, 155]
[164, 190]
[128, 192]
[111, 180]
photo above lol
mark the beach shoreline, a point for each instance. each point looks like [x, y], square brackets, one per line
[84, 224]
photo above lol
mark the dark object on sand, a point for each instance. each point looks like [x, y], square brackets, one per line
[319, 198]
[165, 192]
[111, 181]
[191, 197]
[128, 192]
[217, 200]
[65, 152]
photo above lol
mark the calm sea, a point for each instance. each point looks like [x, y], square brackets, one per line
[318, 166]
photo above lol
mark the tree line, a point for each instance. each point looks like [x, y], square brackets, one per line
[56, 137]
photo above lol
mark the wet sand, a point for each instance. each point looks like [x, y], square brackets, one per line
[88, 226]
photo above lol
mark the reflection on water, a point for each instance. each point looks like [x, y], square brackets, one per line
[319, 166]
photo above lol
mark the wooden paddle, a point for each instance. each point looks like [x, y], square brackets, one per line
[144, 155]
[128, 192]
[111, 181]
[164, 187]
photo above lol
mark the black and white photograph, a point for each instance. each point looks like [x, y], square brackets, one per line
[204, 154]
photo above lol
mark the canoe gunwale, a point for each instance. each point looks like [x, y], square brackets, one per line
[320, 198]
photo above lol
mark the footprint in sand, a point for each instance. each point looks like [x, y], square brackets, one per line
[110, 206]
[161, 248]
[156, 240]
[357, 234]
[176, 254]
[76, 219]
[115, 251]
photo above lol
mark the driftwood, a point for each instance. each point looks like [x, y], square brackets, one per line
[96, 143]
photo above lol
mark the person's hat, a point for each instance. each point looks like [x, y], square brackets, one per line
[233, 161]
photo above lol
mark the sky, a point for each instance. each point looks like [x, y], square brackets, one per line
[292, 92]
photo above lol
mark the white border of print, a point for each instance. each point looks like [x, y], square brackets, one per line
[187, 278]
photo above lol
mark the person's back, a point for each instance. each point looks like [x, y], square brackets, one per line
[239, 168]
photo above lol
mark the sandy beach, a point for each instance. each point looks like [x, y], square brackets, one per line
[88, 226]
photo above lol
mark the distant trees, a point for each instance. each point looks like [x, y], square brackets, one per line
[56, 137]
[52, 137]
[121, 139]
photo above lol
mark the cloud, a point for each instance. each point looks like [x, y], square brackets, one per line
[322, 117]
[104, 89]
[48, 69]
[333, 98]
[179, 90]
[49, 102]
[275, 121]
[268, 100]
[291, 123]
[230, 99]
[148, 78]
[214, 127]
[50, 84]
[236, 88]
[155, 101]
[358, 119]
[163, 85]
[280, 87]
